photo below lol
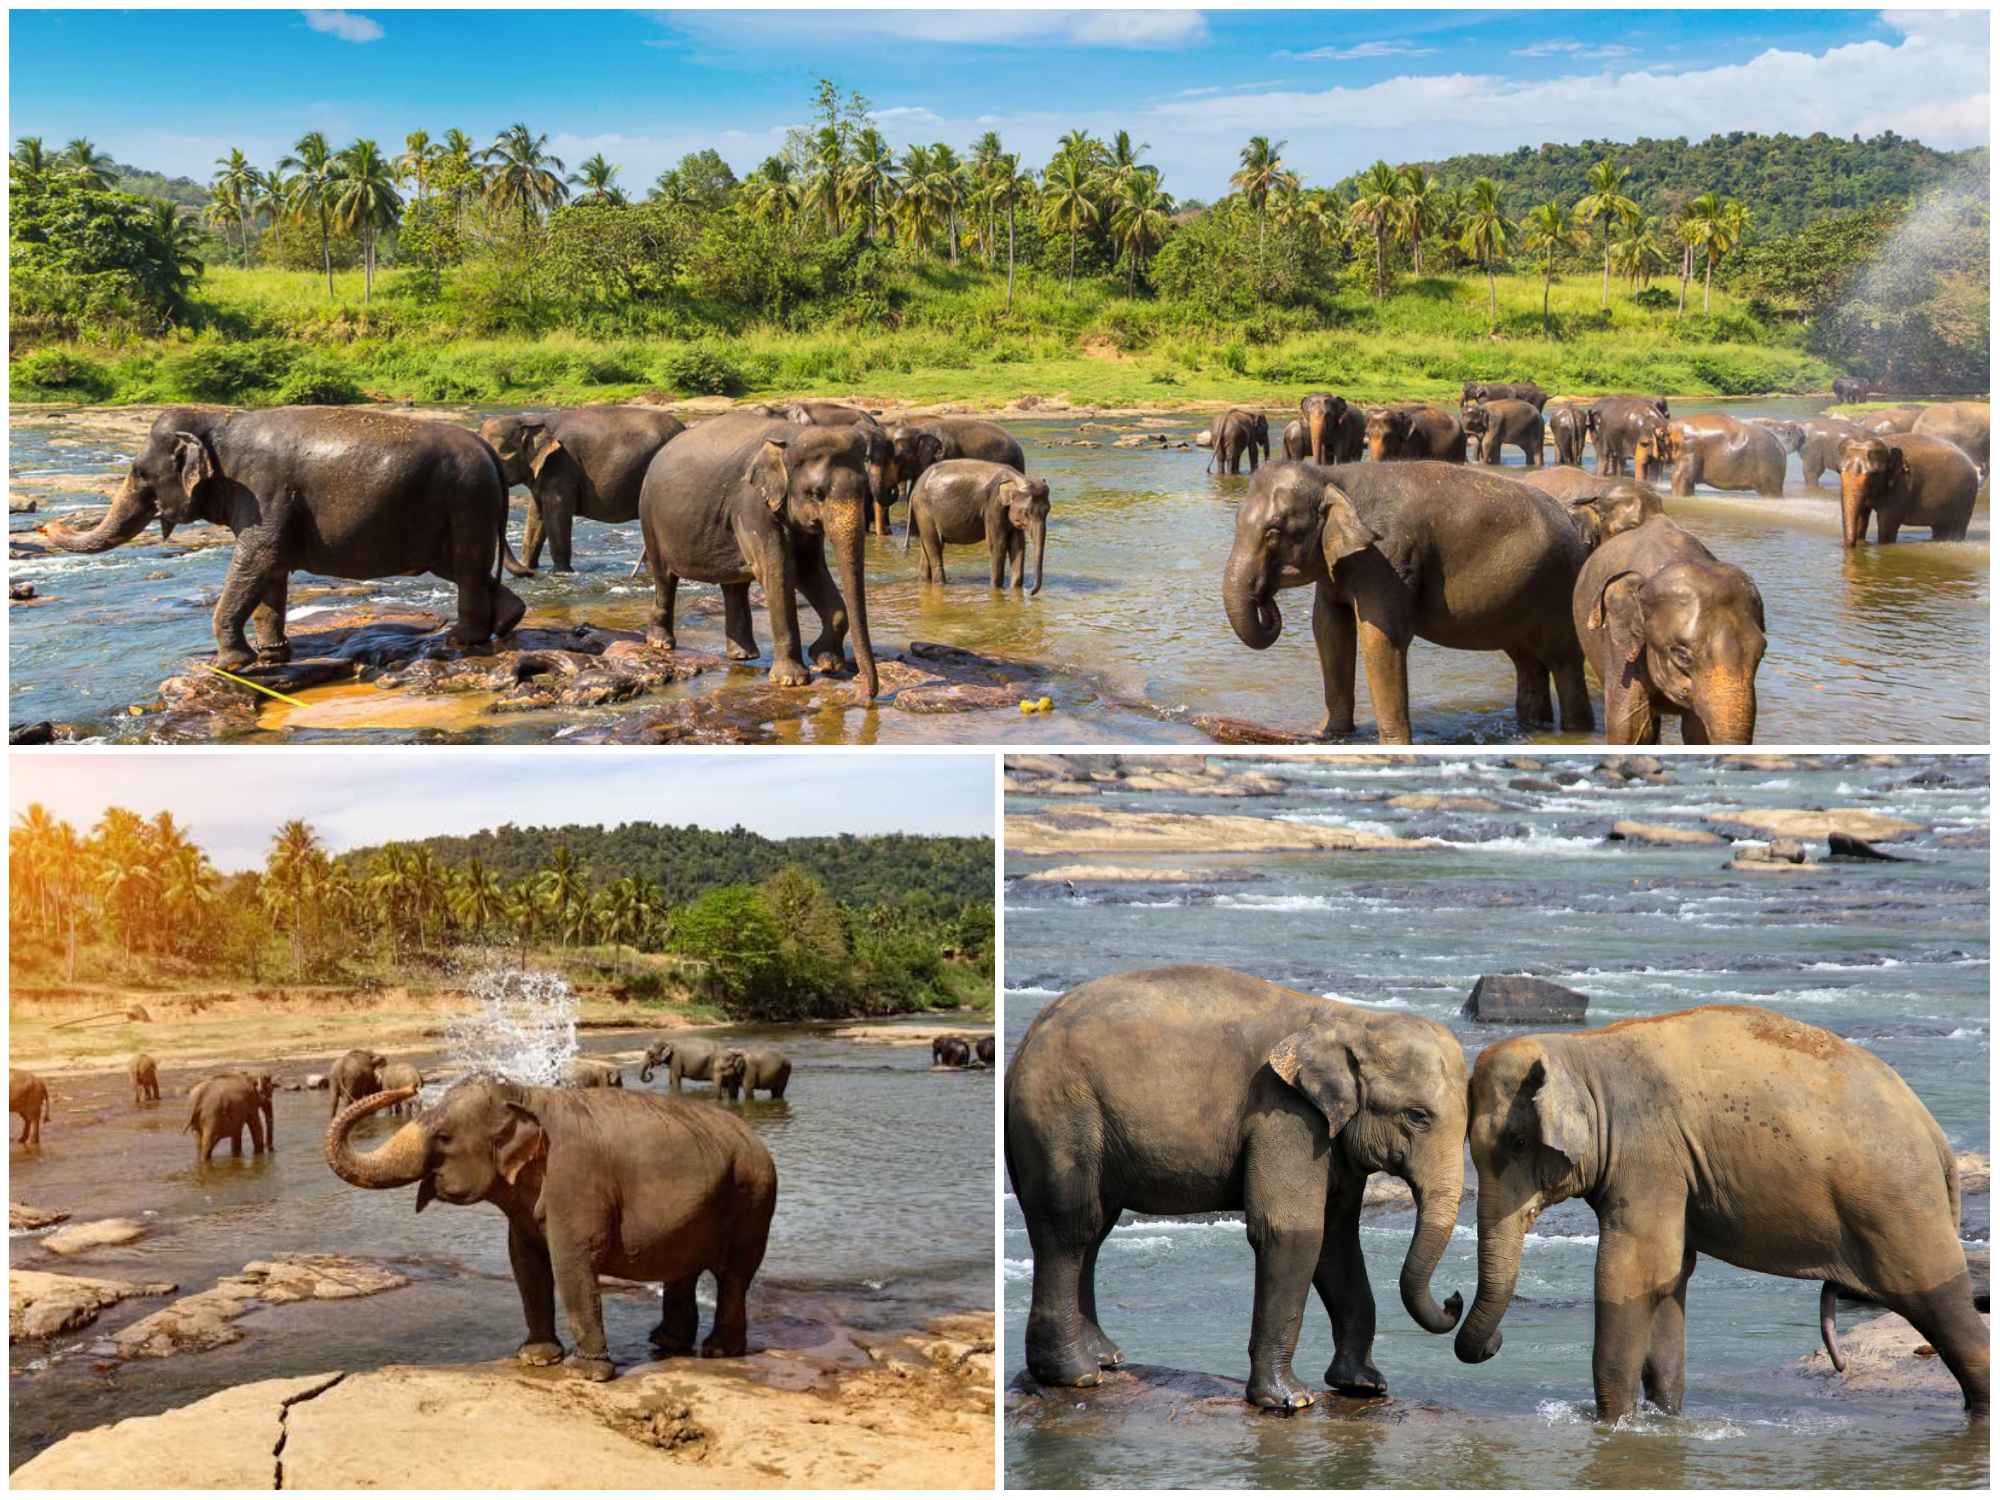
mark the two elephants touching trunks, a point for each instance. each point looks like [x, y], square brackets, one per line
[1726, 1130]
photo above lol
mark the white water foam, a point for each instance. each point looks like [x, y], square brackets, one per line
[1016, 1270]
[524, 1028]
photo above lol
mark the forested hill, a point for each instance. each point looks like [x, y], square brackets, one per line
[1787, 180]
[685, 862]
[148, 184]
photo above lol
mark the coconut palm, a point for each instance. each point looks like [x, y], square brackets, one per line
[1637, 253]
[871, 173]
[478, 898]
[82, 160]
[1378, 195]
[915, 207]
[30, 165]
[309, 193]
[1261, 164]
[562, 890]
[1604, 206]
[292, 869]
[414, 165]
[233, 191]
[523, 176]
[597, 177]
[1705, 230]
[1068, 203]
[1416, 213]
[1011, 183]
[365, 202]
[1549, 229]
[948, 177]
[178, 240]
[1487, 237]
[771, 193]
[1140, 217]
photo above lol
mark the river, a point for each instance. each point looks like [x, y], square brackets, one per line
[1893, 956]
[1883, 645]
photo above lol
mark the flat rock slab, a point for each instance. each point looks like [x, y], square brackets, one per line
[1816, 823]
[1437, 802]
[207, 1319]
[74, 1239]
[1155, 1393]
[1763, 865]
[1523, 1000]
[1883, 1354]
[1090, 830]
[22, 1216]
[1661, 835]
[41, 1304]
[1135, 874]
[1225, 730]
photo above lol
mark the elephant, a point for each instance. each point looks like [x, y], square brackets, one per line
[1496, 390]
[971, 500]
[743, 499]
[951, 1052]
[1494, 423]
[1670, 629]
[1252, 1097]
[879, 460]
[1459, 557]
[145, 1080]
[28, 1097]
[1336, 432]
[1729, 1131]
[683, 1058]
[1415, 431]
[1819, 445]
[1567, 426]
[1969, 424]
[589, 1073]
[398, 1077]
[827, 414]
[356, 1075]
[592, 1182]
[1714, 450]
[224, 1106]
[1615, 425]
[983, 1050]
[1850, 388]
[975, 437]
[1293, 442]
[1601, 507]
[1886, 421]
[1911, 480]
[331, 490]
[747, 1069]
[1234, 433]
[1791, 435]
[916, 449]
[587, 462]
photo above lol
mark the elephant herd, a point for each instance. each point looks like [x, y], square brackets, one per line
[951, 1051]
[1279, 1105]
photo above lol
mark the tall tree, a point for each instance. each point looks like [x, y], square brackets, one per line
[524, 176]
[1487, 237]
[86, 163]
[1068, 203]
[1260, 165]
[1605, 205]
[598, 179]
[1549, 229]
[365, 202]
[1378, 194]
[419, 154]
[309, 194]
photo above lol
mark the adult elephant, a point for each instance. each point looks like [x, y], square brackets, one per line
[951, 1052]
[1601, 507]
[1459, 557]
[1727, 1131]
[739, 500]
[1715, 450]
[587, 462]
[745, 1070]
[1969, 424]
[1670, 629]
[1791, 435]
[1887, 421]
[221, 1108]
[1502, 390]
[1819, 445]
[975, 437]
[1415, 431]
[1494, 424]
[879, 450]
[330, 490]
[401, 1077]
[145, 1080]
[356, 1075]
[28, 1097]
[1335, 431]
[1293, 442]
[915, 449]
[1615, 425]
[1234, 433]
[1568, 428]
[589, 1073]
[683, 1058]
[982, 1050]
[970, 500]
[1910, 480]
[828, 414]
[1252, 1097]
[593, 1182]
[1847, 388]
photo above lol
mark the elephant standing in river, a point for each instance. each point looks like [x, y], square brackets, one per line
[1235, 433]
[1849, 388]
[739, 500]
[1601, 507]
[951, 1052]
[916, 449]
[1617, 423]
[356, 1075]
[589, 1073]
[223, 1107]
[401, 1077]
[970, 500]
[1494, 424]
[1969, 424]
[1246, 1096]
[975, 437]
[879, 450]
[982, 1051]
[145, 1080]
[1502, 390]
[1887, 421]
[1335, 431]
[1728, 1131]
[1415, 431]
[683, 1058]
[593, 1182]
[331, 490]
[1567, 426]
[588, 462]
[28, 1097]
[1911, 480]
[1715, 450]
[745, 1070]
[1819, 446]
[1457, 556]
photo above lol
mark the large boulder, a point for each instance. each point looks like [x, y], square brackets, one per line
[1523, 1000]
[41, 1305]
[74, 1239]
[1847, 846]
[1664, 835]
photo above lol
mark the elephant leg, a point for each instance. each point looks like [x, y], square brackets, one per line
[534, 1279]
[1017, 556]
[1063, 1234]
[236, 1142]
[933, 549]
[778, 578]
[1333, 640]
[1341, 1279]
[996, 553]
[559, 517]
[1385, 653]
[815, 581]
[1534, 708]
[1639, 1261]
[576, 1284]
[1573, 693]
[258, 1145]
[1665, 1372]
[533, 534]
[737, 632]
[1950, 1324]
[267, 621]
[680, 1320]
[1109, 1355]
[660, 629]
[1886, 529]
[730, 1337]
[1285, 1219]
[249, 580]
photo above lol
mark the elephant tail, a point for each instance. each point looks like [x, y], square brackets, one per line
[1827, 1331]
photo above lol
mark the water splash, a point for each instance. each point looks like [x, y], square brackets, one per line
[523, 1028]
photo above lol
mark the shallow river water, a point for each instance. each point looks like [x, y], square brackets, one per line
[1884, 645]
[1894, 957]
[884, 1221]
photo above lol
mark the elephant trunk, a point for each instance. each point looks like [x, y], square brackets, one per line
[126, 518]
[646, 1069]
[1316, 436]
[1853, 509]
[1500, 1238]
[1249, 599]
[845, 532]
[1437, 1188]
[1038, 529]
[397, 1162]
[1727, 705]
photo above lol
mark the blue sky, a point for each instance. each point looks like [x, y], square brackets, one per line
[233, 801]
[173, 90]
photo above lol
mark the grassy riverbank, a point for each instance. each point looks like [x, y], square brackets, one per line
[956, 341]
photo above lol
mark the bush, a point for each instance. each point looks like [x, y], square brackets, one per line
[228, 372]
[701, 370]
[57, 375]
[319, 380]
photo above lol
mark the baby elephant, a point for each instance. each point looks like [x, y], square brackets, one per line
[579, 1073]
[145, 1080]
[745, 1070]
[1729, 1131]
[223, 1107]
[1492, 424]
[970, 499]
[400, 1076]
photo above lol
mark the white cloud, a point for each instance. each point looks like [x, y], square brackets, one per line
[762, 31]
[1137, 28]
[343, 24]
[1359, 52]
[913, 114]
[1607, 50]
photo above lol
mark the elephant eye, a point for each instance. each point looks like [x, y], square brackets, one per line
[1419, 1119]
[443, 1137]
[1683, 658]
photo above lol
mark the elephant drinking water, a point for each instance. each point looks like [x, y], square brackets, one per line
[683, 1058]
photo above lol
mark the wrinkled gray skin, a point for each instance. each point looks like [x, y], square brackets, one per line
[1819, 445]
[1601, 507]
[1791, 435]
[951, 1052]
[683, 1058]
[330, 490]
[745, 1070]
[880, 457]
[588, 1073]
[223, 1107]
[1726, 1131]
[1849, 388]
[1253, 1098]
[398, 1077]
[1501, 390]
[969, 500]
[1568, 428]
[1415, 431]
[28, 1097]
[1232, 435]
[827, 414]
[1889, 420]
[588, 462]
[593, 1182]
[1457, 556]
[145, 1080]
[975, 437]
[1494, 424]
[1910, 480]
[1670, 629]
[356, 1075]
[739, 500]
[1969, 424]
[1617, 423]
[1716, 450]
[915, 450]
[1335, 431]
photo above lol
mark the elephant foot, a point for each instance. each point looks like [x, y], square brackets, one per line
[596, 1367]
[1071, 1367]
[789, 674]
[715, 1346]
[737, 651]
[275, 654]
[1331, 728]
[508, 611]
[659, 635]
[1356, 1378]
[829, 663]
[1279, 1391]
[667, 1345]
[539, 1352]
[1108, 1355]
[236, 658]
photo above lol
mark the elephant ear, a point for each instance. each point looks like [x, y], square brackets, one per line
[1564, 1123]
[1342, 532]
[770, 476]
[1323, 1068]
[542, 446]
[1589, 517]
[521, 1142]
[194, 463]
[1618, 610]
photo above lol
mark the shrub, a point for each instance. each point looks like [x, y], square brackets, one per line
[319, 380]
[57, 375]
[701, 370]
[229, 372]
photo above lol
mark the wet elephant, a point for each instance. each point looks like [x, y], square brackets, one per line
[589, 1073]
[1617, 423]
[1819, 446]
[738, 500]
[951, 1052]
[1602, 507]
[975, 437]
[1886, 421]
[1253, 1098]
[1293, 442]
[222, 1108]
[1670, 629]
[1502, 390]
[745, 1070]
[1969, 424]
[1415, 431]
[28, 1097]
[1232, 435]
[317, 489]
[1567, 427]
[1460, 557]
[145, 1080]
[1505, 423]
[588, 462]
[1335, 430]
[356, 1075]
[982, 1050]
[1910, 480]
[593, 1182]
[401, 1077]
[879, 450]
[915, 449]
[1791, 435]
[1715, 450]
[683, 1058]
[1728, 1131]
[970, 500]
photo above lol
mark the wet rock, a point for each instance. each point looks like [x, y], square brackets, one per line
[207, 1319]
[1765, 763]
[1884, 1354]
[16, 592]
[1154, 1394]
[1780, 857]
[1645, 768]
[1225, 730]
[21, 1216]
[1975, 1173]
[1816, 823]
[41, 1305]
[75, 1239]
[1846, 846]
[956, 698]
[41, 732]
[1436, 802]
[1532, 784]
[1090, 830]
[1967, 838]
[1523, 1000]
[1664, 835]
[1523, 763]
[21, 505]
[316, 1080]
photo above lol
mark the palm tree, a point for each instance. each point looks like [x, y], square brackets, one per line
[771, 192]
[524, 175]
[1261, 164]
[311, 190]
[948, 175]
[1377, 194]
[414, 165]
[30, 166]
[366, 202]
[524, 914]
[914, 205]
[480, 901]
[1140, 216]
[178, 241]
[1487, 237]
[269, 193]
[870, 173]
[233, 188]
[292, 869]
[463, 162]
[1067, 203]
[1637, 253]
[596, 176]
[1549, 228]
[1011, 182]
[1416, 213]
[1605, 204]
[1705, 229]
[562, 889]
[86, 163]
